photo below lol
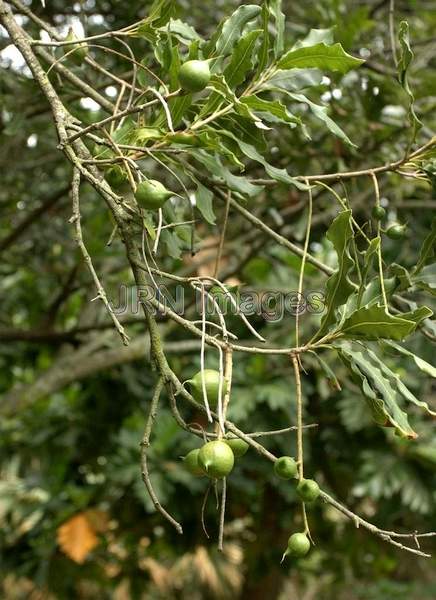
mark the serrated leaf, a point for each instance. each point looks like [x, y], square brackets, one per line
[147, 221]
[370, 294]
[320, 113]
[182, 30]
[293, 80]
[403, 68]
[214, 165]
[338, 286]
[221, 88]
[428, 250]
[418, 314]
[163, 51]
[402, 277]
[265, 45]
[426, 279]
[369, 256]
[234, 126]
[204, 203]
[314, 37]
[242, 58]
[270, 110]
[158, 15]
[320, 56]
[173, 243]
[141, 135]
[328, 372]
[374, 322]
[395, 380]
[233, 26]
[178, 107]
[278, 174]
[422, 364]
[275, 7]
[376, 387]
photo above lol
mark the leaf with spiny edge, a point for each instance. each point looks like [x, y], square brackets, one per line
[373, 322]
[339, 286]
[376, 387]
[320, 56]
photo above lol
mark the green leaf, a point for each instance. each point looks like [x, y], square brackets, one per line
[395, 380]
[158, 15]
[163, 51]
[147, 221]
[422, 364]
[265, 45]
[426, 279]
[338, 286]
[314, 37]
[173, 243]
[278, 174]
[220, 87]
[178, 107]
[419, 314]
[233, 26]
[369, 256]
[183, 31]
[328, 372]
[377, 388]
[374, 322]
[321, 56]
[428, 250]
[320, 113]
[275, 7]
[204, 203]
[234, 125]
[403, 68]
[214, 165]
[270, 110]
[293, 80]
[242, 58]
[141, 135]
[402, 276]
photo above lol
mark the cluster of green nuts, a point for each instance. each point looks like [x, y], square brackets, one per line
[308, 490]
[396, 231]
[215, 459]
[286, 467]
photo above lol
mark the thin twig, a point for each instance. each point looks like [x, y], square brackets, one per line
[202, 352]
[203, 509]
[222, 515]
[300, 455]
[75, 220]
[379, 249]
[303, 264]
[144, 447]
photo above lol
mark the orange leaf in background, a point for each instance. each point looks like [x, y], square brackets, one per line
[98, 519]
[77, 538]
